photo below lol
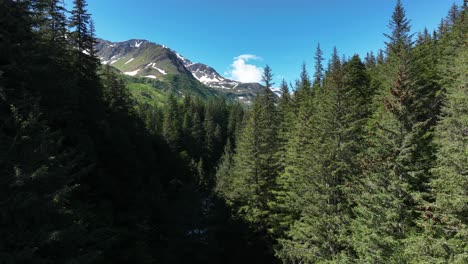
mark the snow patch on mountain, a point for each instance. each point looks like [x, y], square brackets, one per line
[184, 60]
[163, 60]
[207, 79]
[133, 73]
[208, 76]
[160, 70]
[153, 65]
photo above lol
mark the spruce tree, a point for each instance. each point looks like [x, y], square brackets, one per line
[323, 180]
[267, 77]
[172, 123]
[303, 91]
[115, 93]
[286, 120]
[448, 215]
[83, 40]
[79, 23]
[396, 165]
[443, 216]
[318, 74]
[255, 165]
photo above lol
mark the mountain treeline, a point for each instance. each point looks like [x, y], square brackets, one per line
[365, 162]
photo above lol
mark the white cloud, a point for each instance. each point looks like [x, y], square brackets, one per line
[244, 72]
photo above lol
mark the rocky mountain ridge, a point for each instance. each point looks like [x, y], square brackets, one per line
[142, 58]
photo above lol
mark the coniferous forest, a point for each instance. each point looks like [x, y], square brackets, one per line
[364, 160]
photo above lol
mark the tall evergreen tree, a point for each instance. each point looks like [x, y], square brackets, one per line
[328, 167]
[318, 74]
[82, 38]
[115, 92]
[172, 123]
[256, 161]
[267, 77]
[303, 89]
[444, 226]
[399, 41]
[286, 118]
[447, 217]
[79, 23]
[398, 160]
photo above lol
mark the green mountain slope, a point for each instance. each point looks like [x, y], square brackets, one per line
[167, 70]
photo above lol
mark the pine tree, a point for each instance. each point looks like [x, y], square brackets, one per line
[448, 221]
[444, 226]
[115, 92]
[286, 114]
[83, 39]
[453, 15]
[380, 58]
[318, 74]
[267, 77]
[172, 123]
[209, 128]
[235, 118]
[79, 23]
[49, 18]
[399, 41]
[323, 166]
[370, 60]
[197, 135]
[286, 119]
[289, 200]
[396, 166]
[303, 90]
[224, 172]
[255, 165]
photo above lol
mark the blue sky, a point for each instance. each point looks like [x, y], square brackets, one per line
[237, 37]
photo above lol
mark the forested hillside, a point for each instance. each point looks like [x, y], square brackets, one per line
[365, 161]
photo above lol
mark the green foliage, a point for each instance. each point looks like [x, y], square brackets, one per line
[145, 94]
[318, 75]
[443, 217]
[367, 164]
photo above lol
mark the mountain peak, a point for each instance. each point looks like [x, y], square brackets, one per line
[142, 58]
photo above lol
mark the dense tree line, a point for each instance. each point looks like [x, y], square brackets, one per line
[367, 162]
[87, 174]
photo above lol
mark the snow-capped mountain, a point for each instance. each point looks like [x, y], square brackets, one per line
[141, 58]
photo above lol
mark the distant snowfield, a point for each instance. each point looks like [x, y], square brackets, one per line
[205, 79]
[133, 73]
[161, 70]
[150, 76]
[215, 81]
[153, 65]
[130, 60]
